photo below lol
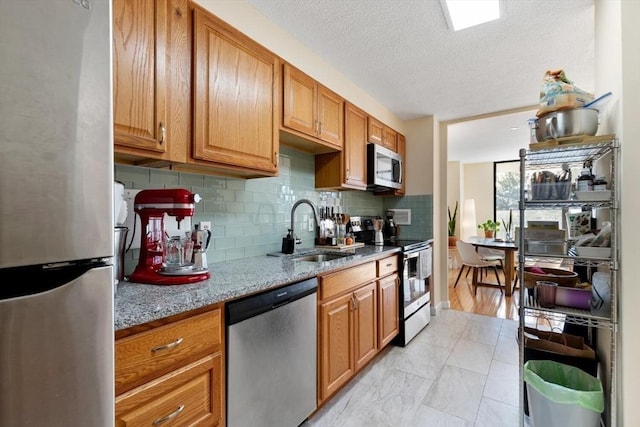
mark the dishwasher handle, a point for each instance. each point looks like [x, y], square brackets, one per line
[254, 305]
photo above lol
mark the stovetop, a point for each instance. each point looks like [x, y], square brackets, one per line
[405, 244]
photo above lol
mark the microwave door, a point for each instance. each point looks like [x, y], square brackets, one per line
[388, 172]
[397, 171]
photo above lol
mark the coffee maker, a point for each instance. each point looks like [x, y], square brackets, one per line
[390, 229]
[152, 267]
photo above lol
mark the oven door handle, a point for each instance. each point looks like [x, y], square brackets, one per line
[411, 255]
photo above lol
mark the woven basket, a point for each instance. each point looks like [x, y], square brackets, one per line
[561, 277]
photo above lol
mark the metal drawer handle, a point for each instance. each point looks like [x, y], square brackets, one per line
[169, 417]
[167, 346]
[390, 265]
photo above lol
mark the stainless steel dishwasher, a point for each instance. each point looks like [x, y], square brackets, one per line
[271, 357]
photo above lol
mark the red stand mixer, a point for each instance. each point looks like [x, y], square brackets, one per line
[152, 268]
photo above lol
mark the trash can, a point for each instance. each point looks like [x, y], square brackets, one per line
[562, 396]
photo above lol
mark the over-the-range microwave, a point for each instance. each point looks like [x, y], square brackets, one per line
[384, 168]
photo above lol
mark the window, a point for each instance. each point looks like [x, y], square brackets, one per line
[506, 176]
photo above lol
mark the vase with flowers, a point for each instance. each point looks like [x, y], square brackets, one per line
[508, 227]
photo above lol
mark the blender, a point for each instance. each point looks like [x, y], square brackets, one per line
[153, 266]
[378, 238]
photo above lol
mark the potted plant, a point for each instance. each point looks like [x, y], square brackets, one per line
[490, 228]
[451, 225]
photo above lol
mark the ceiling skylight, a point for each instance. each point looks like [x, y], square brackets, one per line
[463, 14]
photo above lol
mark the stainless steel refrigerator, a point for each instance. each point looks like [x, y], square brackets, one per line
[56, 214]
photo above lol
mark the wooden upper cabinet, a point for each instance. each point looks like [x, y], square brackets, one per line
[375, 129]
[379, 133]
[389, 138]
[346, 169]
[236, 98]
[151, 64]
[355, 147]
[312, 109]
[330, 116]
[299, 104]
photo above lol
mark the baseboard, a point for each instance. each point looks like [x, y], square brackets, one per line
[442, 305]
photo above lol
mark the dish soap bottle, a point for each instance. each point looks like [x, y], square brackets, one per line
[288, 243]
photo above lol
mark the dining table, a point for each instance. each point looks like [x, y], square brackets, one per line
[508, 247]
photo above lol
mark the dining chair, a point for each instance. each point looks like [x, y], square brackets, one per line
[471, 259]
[489, 254]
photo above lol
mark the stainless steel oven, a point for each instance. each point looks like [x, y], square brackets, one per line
[415, 304]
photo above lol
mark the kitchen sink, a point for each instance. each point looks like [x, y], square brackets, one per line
[320, 257]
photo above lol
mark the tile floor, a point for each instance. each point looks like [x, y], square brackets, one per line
[461, 370]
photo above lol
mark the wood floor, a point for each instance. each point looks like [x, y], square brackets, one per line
[488, 301]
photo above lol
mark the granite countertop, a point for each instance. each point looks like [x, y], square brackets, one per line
[137, 303]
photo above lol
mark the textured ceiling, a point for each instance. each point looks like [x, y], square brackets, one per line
[402, 53]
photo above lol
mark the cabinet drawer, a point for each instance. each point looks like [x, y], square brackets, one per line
[147, 355]
[183, 397]
[387, 265]
[341, 281]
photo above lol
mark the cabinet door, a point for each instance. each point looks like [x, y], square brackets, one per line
[330, 116]
[336, 344]
[365, 324]
[235, 98]
[140, 40]
[389, 138]
[299, 101]
[375, 130]
[388, 320]
[355, 147]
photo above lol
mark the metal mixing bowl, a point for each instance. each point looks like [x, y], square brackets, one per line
[562, 123]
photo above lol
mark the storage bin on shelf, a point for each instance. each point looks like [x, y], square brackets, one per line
[561, 277]
[573, 297]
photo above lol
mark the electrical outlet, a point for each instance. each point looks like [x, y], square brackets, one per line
[205, 225]
[311, 224]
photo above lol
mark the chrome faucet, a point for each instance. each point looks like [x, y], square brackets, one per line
[315, 217]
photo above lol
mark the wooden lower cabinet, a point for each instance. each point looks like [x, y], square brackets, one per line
[388, 306]
[354, 304]
[337, 342]
[186, 396]
[172, 374]
[365, 325]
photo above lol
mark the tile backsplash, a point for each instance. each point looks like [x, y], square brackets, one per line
[250, 216]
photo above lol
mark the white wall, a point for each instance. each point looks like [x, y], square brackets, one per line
[478, 185]
[618, 70]
[420, 136]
